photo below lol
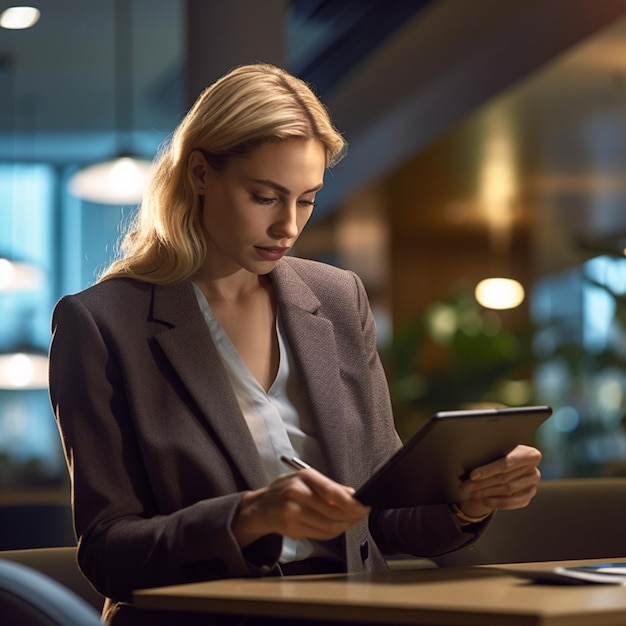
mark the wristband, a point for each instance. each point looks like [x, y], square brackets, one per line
[468, 519]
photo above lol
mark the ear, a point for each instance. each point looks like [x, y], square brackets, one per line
[197, 170]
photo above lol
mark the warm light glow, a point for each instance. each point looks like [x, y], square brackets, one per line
[18, 18]
[499, 293]
[19, 276]
[121, 181]
[499, 184]
[23, 371]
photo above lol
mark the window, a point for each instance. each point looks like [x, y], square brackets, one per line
[581, 348]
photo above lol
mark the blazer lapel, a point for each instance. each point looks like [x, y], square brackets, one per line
[313, 344]
[188, 345]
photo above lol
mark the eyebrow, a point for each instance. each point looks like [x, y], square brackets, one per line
[280, 188]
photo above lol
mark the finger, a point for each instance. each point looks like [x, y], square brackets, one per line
[311, 525]
[333, 494]
[310, 517]
[327, 499]
[516, 501]
[514, 476]
[507, 488]
[520, 456]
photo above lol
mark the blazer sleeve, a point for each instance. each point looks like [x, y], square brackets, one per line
[124, 541]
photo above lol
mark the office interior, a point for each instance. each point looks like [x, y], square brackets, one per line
[486, 139]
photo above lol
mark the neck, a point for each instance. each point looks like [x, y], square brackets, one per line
[232, 289]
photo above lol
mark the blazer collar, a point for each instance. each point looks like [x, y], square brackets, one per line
[176, 303]
[188, 345]
[312, 338]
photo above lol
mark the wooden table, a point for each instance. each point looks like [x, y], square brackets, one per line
[465, 596]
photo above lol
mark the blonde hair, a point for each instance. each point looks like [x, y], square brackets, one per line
[248, 106]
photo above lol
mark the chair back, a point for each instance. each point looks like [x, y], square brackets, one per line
[567, 519]
[61, 565]
[29, 598]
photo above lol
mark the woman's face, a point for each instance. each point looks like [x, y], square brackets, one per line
[254, 210]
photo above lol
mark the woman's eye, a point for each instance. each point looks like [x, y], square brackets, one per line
[307, 203]
[262, 199]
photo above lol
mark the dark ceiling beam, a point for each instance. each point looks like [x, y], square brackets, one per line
[452, 57]
[221, 35]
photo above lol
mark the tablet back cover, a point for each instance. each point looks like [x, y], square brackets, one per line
[430, 467]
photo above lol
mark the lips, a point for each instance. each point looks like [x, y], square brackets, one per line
[271, 253]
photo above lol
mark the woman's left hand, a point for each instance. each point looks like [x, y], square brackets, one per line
[508, 483]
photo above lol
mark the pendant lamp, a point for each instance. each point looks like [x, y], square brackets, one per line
[19, 276]
[500, 291]
[498, 188]
[19, 17]
[24, 367]
[122, 179]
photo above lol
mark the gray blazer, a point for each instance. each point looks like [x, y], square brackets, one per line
[159, 452]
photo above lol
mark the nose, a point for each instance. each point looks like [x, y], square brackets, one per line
[286, 224]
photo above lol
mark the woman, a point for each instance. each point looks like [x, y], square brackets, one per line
[204, 353]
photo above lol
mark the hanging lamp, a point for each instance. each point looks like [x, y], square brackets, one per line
[19, 275]
[22, 365]
[122, 179]
[499, 293]
[25, 367]
[19, 17]
[498, 189]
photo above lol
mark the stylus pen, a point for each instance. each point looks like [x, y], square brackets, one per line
[294, 462]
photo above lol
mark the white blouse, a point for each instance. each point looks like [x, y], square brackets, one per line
[278, 419]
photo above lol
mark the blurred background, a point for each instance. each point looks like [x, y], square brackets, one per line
[487, 139]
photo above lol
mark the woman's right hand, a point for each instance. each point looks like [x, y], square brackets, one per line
[302, 504]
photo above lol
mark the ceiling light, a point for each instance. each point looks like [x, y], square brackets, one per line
[499, 293]
[17, 18]
[118, 181]
[122, 179]
[23, 370]
[19, 276]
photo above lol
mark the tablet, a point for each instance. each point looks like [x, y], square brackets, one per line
[601, 573]
[429, 468]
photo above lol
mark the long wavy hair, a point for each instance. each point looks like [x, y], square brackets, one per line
[248, 106]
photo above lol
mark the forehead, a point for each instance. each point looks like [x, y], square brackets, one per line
[290, 163]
